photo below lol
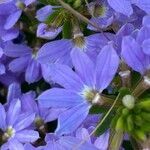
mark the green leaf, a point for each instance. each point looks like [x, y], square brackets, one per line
[67, 32]
[98, 110]
[51, 2]
[105, 125]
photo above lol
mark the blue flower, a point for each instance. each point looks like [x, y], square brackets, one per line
[102, 14]
[14, 126]
[136, 51]
[125, 6]
[81, 89]
[59, 51]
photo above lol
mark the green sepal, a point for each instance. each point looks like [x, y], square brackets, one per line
[50, 19]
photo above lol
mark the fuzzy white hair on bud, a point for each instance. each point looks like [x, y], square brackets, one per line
[128, 101]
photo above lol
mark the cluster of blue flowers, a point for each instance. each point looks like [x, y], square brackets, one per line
[66, 66]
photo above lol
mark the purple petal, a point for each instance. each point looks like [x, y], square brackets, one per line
[19, 64]
[44, 12]
[72, 118]
[54, 145]
[10, 34]
[8, 78]
[125, 30]
[27, 136]
[146, 21]
[28, 2]
[45, 32]
[143, 34]
[64, 76]
[53, 51]
[57, 97]
[14, 144]
[82, 133]
[2, 69]
[1, 52]
[16, 50]
[71, 142]
[13, 111]
[12, 19]
[132, 54]
[106, 66]
[28, 102]
[102, 141]
[2, 117]
[46, 72]
[33, 72]
[30, 147]
[80, 60]
[101, 22]
[122, 6]
[144, 5]
[14, 92]
[146, 46]
[24, 121]
[53, 114]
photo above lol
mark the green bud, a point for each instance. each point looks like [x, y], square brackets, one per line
[145, 105]
[130, 124]
[77, 3]
[138, 120]
[125, 112]
[120, 123]
[145, 116]
[128, 101]
[139, 135]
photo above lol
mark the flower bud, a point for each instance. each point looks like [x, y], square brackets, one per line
[128, 101]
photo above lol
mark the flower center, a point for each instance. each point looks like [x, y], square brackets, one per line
[100, 11]
[20, 5]
[10, 132]
[91, 95]
[79, 41]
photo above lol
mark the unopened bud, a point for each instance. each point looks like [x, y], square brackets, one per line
[128, 101]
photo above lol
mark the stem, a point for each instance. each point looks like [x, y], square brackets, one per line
[134, 143]
[126, 78]
[103, 119]
[142, 86]
[81, 17]
[116, 140]
[75, 13]
[91, 13]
